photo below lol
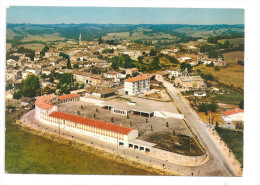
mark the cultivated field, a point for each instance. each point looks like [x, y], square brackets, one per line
[233, 74]
[34, 46]
[44, 37]
[233, 57]
[235, 42]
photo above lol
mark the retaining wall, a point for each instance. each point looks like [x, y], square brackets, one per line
[178, 158]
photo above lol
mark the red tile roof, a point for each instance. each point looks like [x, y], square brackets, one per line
[91, 122]
[68, 96]
[44, 101]
[233, 111]
[138, 78]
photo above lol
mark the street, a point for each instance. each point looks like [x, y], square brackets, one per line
[217, 162]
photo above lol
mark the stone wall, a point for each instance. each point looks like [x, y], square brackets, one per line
[178, 158]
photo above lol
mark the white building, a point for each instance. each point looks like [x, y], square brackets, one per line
[185, 59]
[48, 113]
[174, 73]
[236, 114]
[137, 85]
[35, 71]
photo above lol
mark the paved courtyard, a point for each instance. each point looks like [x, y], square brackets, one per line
[140, 123]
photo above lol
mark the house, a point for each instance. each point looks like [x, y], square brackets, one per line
[35, 71]
[51, 53]
[174, 73]
[81, 77]
[155, 83]
[200, 93]
[80, 92]
[137, 85]
[185, 59]
[131, 71]
[102, 92]
[113, 75]
[236, 114]
[46, 71]
[190, 82]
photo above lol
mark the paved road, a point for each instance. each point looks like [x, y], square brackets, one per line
[121, 151]
[217, 163]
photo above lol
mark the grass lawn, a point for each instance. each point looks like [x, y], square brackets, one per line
[233, 74]
[234, 140]
[28, 153]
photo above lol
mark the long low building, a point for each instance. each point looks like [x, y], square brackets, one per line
[47, 112]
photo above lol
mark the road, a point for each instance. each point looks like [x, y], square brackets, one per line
[217, 163]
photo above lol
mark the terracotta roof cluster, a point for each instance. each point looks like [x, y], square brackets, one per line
[44, 101]
[138, 78]
[68, 96]
[233, 111]
[91, 122]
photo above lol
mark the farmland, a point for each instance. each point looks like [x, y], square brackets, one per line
[233, 57]
[233, 74]
[235, 42]
[43, 37]
[34, 46]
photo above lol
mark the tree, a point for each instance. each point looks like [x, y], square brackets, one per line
[152, 52]
[69, 64]
[217, 68]
[43, 76]
[17, 95]
[155, 64]
[135, 74]
[100, 41]
[185, 65]
[45, 49]
[30, 85]
[51, 79]
[226, 44]
[128, 76]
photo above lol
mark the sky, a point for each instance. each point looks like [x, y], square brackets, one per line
[126, 15]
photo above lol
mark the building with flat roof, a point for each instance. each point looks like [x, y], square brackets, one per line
[137, 85]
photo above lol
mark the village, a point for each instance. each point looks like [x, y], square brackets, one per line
[94, 75]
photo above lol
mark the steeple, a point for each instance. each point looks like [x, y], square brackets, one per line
[79, 38]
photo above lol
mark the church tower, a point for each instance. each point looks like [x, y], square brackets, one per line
[80, 39]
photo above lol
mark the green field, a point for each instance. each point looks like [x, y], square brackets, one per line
[28, 153]
[234, 140]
